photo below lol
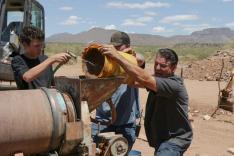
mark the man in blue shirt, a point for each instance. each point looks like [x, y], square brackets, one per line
[125, 99]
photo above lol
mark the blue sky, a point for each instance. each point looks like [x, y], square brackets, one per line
[165, 17]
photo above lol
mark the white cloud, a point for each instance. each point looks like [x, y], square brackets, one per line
[192, 1]
[230, 25]
[132, 22]
[176, 24]
[228, 0]
[192, 27]
[72, 20]
[110, 27]
[145, 5]
[129, 32]
[159, 29]
[66, 8]
[177, 18]
[94, 26]
[141, 21]
[150, 13]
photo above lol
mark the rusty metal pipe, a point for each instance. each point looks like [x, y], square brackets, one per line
[33, 121]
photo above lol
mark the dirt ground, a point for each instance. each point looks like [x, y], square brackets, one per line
[211, 137]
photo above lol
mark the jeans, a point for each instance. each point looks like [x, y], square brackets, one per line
[168, 149]
[128, 131]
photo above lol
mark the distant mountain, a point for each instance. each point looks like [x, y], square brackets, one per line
[95, 34]
[213, 35]
[210, 35]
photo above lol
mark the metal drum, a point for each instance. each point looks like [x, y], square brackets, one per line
[33, 121]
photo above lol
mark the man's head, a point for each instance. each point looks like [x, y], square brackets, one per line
[165, 62]
[32, 39]
[120, 40]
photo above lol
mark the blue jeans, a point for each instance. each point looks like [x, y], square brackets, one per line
[128, 131]
[168, 149]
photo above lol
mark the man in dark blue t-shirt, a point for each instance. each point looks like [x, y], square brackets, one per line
[33, 70]
[167, 127]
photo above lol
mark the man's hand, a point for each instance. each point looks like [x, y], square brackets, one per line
[60, 58]
[142, 77]
[34, 72]
[129, 51]
[110, 51]
[140, 60]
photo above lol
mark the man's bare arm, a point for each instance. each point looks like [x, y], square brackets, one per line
[34, 72]
[141, 76]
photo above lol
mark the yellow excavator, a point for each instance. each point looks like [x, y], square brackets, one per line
[14, 15]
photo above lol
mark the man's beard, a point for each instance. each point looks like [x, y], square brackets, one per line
[160, 74]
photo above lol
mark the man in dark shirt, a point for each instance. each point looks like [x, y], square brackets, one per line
[33, 70]
[167, 127]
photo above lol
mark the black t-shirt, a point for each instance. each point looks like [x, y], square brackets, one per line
[166, 117]
[21, 64]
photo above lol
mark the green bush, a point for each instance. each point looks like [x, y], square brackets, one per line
[186, 51]
[53, 48]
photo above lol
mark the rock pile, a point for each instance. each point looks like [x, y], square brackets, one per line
[209, 69]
